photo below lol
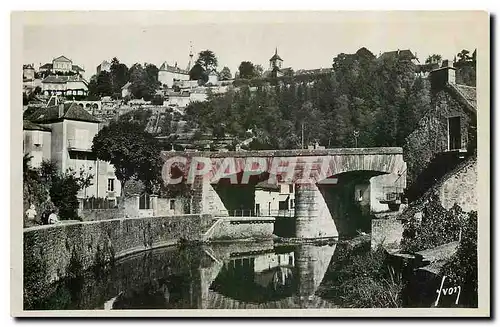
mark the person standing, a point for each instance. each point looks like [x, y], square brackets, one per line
[31, 213]
[53, 218]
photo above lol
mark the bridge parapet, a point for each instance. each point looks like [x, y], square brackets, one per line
[290, 166]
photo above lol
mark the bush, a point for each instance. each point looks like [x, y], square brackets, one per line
[63, 192]
[462, 267]
[361, 280]
[438, 226]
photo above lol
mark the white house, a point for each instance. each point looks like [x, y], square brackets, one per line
[69, 145]
[167, 74]
[64, 85]
[213, 78]
[62, 64]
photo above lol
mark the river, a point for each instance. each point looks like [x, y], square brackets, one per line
[250, 275]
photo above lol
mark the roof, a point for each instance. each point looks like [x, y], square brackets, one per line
[173, 69]
[275, 56]
[469, 93]
[400, 54]
[46, 66]
[61, 58]
[63, 79]
[267, 186]
[30, 126]
[29, 66]
[72, 111]
[77, 68]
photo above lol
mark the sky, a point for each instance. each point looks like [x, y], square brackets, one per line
[304, 40]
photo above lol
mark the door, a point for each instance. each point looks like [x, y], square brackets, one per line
[454, 133]
[257, 209]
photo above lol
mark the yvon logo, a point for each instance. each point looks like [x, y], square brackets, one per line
[448, 291]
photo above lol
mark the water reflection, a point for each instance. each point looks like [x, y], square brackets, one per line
[218, 276]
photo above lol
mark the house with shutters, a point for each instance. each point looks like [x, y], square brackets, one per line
[63, 133]
[65, 85]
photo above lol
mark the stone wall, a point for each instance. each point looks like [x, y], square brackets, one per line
[461, 187]
[388, 232]
[52, 252]
[241, 228]
[100, 214]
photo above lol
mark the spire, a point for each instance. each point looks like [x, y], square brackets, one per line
[276, 52]
[190, 63]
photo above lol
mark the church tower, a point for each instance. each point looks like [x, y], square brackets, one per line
[190, 63]
[275, 64]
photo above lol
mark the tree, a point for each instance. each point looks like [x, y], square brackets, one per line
[463, 56]
[144, 81]
[207, 60]
[101, 85]
[225, 74]
[119, 75]
[259, 70]
[434, 58]
[246, 70]
[134, 153]
[198, 73]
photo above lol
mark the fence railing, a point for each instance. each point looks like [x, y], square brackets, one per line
[99, 203]
[261, 213]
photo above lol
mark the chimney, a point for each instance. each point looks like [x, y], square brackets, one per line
[61, 110]
[442, 76]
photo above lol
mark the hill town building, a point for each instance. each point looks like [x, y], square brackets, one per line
[63, 65]
[74, 85]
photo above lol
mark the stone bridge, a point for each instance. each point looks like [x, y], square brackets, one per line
[327, 182]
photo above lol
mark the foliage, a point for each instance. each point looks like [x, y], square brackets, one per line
[462, 267]
[48, 189]
[198, 73]
[225, 74]
[207, 60]
[434, 58]
[382, 99]
[247, 70]
[101, 85]
[63, 192]
[360, 279]
[109, 83]
[437, 226]
[157, 100]
[135, 153]
[144, 81]
[119, 75]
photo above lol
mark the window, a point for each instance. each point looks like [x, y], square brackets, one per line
[290, 188]
[454, 133]
[292, 204]
[81, 139]
[111, 184]
[172, 204]
[37, 138]
[144, 202]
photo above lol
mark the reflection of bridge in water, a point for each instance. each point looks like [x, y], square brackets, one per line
[219, 276]
[264, 276]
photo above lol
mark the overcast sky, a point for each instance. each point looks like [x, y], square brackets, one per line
[304, 41]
